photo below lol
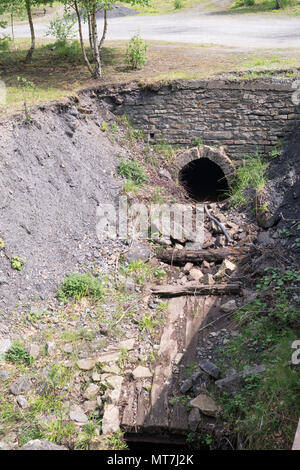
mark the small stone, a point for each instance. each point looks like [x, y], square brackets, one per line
[111, 369]
[205, 404]
[111, 419]
[109, 357]
[4, 374]
[229, 306]
[21, 386]
[91, 391]
[136, 252]
[50, 346]
[38, 444]
[187, 268]
[186, 386]
[227, 267]
[89, 406]
[141, 372]
[196, 274]
[127, 344]
[68, 348]
[194, 419]
[5, 344]
[21, 400]
[96, 377]
[210, 368]
[99, 401]
[165, 174]
[76, 414]
[86, 364]
[208, 279]
[129, 285]
[34, 350]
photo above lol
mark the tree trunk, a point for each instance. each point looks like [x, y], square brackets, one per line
[97, 71]
[29, 14]
[181, 257]
[278, 4]
[12, 29]
[90, 33]
[81, 38]
[104, 31]
[197, 289]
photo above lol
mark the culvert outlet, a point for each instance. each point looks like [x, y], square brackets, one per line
[205, 172]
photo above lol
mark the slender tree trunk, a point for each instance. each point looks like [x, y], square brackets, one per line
[29, 14]
[97, 73]
[12, 29]
[90, 33]
[81, 39]
[278, 4]
[104, 31]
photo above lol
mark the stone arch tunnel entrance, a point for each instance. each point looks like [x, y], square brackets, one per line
[205, 172]
[204, 180]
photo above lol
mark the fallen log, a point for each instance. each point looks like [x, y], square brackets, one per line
[181, 257]
[169, 290]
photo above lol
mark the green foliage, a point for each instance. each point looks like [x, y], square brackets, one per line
[59, 431]
[249, 175]
[197, 141]
[79, 286]
[16, 263]
[17, 354]
[147, 323]
[88, 432]
[104, 126]
[5, 44]
[62, 28]
[136, 52]
[178, 4]
[263, 412]
[132, 171]
[116, 441]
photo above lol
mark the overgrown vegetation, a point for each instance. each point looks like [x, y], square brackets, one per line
[250, 175]
[17, 354]
[136, 52]
[80, 285]
[265, 412]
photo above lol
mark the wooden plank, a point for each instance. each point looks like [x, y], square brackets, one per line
[181, 257]
[169, 290]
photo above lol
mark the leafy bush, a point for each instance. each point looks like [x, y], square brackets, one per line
[17, 354]
[178, 4]
[79, 286]
[62, 28]
[16, 263]
[249, 175]
[136, 52]
[133, 171]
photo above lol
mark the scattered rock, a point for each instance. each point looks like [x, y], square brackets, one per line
[129, 285]
[5, 344]
[235, 382]
[165, 174]
[196, 274]
[34, 350]
[229, 306]
[89, 406]
[109, 357]
[96, 377]
[113, 369]
[136, 252]
[210, 368]
[68, 348]
[111, 419]
[141, 372]
[227, 267]
[128, 344]
[205, 404]
[4, 374]
[21, 386]
[38, 444]
[76, 414]
[264, 238]
[186, 386]
[194, 419]
[21, 400]
[50, 346]
[91, 391]
[86, 364]
[187, 268]
[4, 331]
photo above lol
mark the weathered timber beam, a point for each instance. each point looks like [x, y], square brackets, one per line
[197, 289]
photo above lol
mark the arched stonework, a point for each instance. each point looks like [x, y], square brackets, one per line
[216, 155]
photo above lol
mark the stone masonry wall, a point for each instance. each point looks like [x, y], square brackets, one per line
[243, 115]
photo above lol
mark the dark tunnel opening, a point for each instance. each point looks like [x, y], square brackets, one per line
[204, 180]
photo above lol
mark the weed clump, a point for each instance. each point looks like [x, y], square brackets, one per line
[80, 285]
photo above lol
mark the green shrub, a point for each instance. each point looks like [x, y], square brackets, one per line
[16, 263]
[136, 52]
[79, 286]
[17, 354]
[133, 171]
[62, 28]
[5, 44]
[178, 4]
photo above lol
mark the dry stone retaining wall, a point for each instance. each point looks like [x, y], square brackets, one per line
[242, 115]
